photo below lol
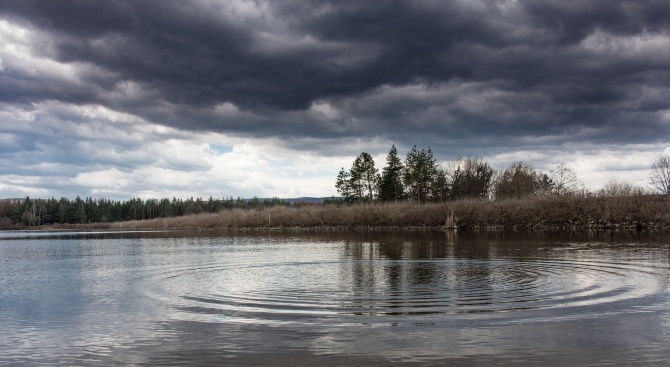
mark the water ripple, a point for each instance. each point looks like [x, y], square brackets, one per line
[411, 289]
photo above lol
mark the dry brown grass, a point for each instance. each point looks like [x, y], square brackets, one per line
[650, 211]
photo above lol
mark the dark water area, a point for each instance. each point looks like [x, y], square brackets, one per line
[335, 298]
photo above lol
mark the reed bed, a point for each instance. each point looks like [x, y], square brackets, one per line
[529, 213]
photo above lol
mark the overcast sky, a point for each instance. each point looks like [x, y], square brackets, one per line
[120, 99]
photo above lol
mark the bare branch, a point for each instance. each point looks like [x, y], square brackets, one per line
[660, 175]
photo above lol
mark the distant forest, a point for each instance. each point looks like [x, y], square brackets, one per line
[31, 212]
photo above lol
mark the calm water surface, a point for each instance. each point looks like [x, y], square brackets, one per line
[412, 298]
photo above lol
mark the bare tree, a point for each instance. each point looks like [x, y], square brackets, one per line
[617, 187]
[521, 179]
[660, 175]
[565, 180]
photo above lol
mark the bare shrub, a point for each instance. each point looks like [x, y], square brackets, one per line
[5, 223]
[618, 187]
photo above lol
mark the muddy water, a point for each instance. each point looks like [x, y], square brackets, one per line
[414, 298]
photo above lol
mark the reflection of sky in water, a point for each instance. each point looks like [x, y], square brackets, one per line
[395, 297]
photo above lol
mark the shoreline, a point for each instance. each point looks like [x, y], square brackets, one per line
[631, 213]
[617, 227]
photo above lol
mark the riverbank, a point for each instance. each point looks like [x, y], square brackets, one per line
[573, 213]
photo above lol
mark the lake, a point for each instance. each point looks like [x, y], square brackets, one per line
[335, 298]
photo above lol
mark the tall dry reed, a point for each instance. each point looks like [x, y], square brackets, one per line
[513, 213]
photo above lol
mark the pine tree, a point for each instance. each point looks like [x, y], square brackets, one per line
[420, 173]
[391, 187]
[343, 185]
[364, 177]
[361, 182]
[440, 188]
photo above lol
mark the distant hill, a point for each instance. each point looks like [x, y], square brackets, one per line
[306, 199]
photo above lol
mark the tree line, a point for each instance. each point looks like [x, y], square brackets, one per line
[420, 179]
[78, 211]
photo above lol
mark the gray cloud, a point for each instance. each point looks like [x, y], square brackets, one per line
[465, 77]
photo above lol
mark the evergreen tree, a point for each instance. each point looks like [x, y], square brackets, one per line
[420, 173]
[391, 187]
[343, 186]
[78, 211]
[440, 188]
[92, 210]
[361, 182]
[365, 177]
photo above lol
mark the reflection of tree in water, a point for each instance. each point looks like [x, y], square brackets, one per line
[428, 271]
[415, 268]
[362, 267]
[444, 271]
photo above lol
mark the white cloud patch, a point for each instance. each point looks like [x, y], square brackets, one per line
[111, 178]
[95, 151]
[594, 165]
[17, 186]
[91, 150]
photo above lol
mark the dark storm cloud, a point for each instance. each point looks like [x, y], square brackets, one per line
[489, 71]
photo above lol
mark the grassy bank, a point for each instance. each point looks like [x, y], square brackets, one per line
[651, 212]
